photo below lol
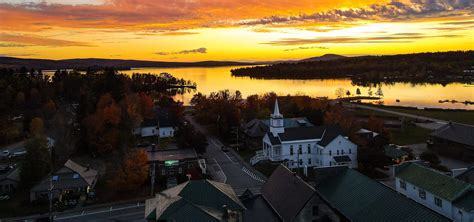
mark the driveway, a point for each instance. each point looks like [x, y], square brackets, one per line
[446, 161]
[227, 167]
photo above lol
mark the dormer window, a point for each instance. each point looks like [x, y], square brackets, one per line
[75, 176]
[55, 178]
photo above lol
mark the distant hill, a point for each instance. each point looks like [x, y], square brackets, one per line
[326, 57]
[12, 62]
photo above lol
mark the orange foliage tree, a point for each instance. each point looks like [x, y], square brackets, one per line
[132, 173]
[102, 125]
[147, 105]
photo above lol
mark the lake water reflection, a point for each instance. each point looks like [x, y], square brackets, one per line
[219, 78]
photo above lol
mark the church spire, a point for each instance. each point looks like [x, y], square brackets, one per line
[276, 111]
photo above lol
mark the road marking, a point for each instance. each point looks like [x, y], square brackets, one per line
[228, 157]
[225, 177]
[96, 212]
[252, 175]
[124, 215]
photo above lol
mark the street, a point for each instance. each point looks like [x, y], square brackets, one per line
[226, 167]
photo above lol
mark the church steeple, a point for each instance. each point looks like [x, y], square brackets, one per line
[276, 121]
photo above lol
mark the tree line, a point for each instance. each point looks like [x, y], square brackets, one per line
[439, 67]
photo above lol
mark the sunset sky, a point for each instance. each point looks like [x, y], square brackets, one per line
[245, 30]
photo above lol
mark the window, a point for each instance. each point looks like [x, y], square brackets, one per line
[163, 172]
[75, 176]
[342, 152]
[422, 194]
[438, 202]
[330, 163]
[350, 151]
[403, 185]
[301, 161]
[315, 210]
[309, 148]
[55, 178]
[337, 152]
[330, 153]
[180, 170]
[291, 150]
[309, 161]
[300, 151]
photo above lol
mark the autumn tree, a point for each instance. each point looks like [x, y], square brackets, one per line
[132, 173]
[37, 126]
[146, 105]
[102, 125]
[37, 160]
[358, 91]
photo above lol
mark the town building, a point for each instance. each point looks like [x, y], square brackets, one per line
[395, 153]
[356, 197]
[162, 125]
[455, 140]
[71, 180]
[195, 200]
[467, 176]
[446, 195]
[292, 199]
[311, 146]
[9, 178]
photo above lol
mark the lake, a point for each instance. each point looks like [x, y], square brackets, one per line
[218, 78]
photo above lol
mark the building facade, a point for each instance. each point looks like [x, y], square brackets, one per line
[312, 146]
[448, 196]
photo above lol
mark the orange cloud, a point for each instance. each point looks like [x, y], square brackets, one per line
[38, 40]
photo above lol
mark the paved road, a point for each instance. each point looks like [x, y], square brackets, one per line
[133, 211]
[446, 161]
[226, 167]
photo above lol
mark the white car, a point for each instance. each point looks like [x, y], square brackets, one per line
[18, 153]
[6, 153]
[4, 197]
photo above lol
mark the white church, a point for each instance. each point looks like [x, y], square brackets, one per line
[312, 146]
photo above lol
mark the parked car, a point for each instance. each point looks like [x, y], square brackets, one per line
[18, 153]
[6, 153]
[4, 197]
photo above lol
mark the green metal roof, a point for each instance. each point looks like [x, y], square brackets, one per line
[393, 152]
[360, 198]
[441, 185]
[182, 210]
[466, 202]
[211, 194]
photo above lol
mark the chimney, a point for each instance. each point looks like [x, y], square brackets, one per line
[153, 147]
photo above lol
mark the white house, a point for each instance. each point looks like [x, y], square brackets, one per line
[312, 146]
[162, 126]
[448, 196]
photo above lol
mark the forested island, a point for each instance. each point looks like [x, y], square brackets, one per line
[438, 67]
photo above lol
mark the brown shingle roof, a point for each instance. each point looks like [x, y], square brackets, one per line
[287, 193]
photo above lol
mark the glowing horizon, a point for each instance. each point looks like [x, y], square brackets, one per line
[246, 30]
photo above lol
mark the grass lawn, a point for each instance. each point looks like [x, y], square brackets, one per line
[410, 134]
[466, 117]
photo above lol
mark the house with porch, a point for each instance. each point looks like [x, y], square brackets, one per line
[9, 178]
[71, 180]
[310, 146]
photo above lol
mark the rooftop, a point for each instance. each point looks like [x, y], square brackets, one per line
[276, 192]
[172, 154]
[360, 198]
[198, 200]
[456, 132]
[430, 180]
[393, 152]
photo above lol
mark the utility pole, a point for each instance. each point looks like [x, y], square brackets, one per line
[153, 179]
[51, 184]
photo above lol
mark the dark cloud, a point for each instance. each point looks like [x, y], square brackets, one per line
[7, 45]
[394, 10]
[190, 51]
[393, 38]
[304, 48]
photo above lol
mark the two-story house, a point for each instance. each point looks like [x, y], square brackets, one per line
[312, 146]
[448, 196]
